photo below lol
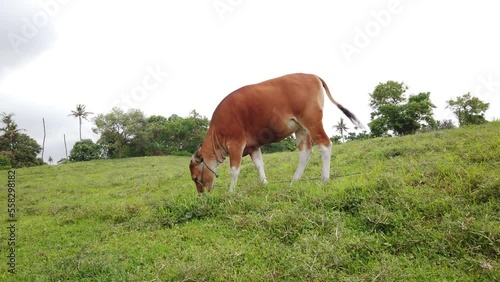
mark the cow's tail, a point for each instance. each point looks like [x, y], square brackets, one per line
[346, 112]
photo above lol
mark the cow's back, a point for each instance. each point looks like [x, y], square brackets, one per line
[265, 112]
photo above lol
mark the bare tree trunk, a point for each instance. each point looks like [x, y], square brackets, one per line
[44, 134]
[65, 147]
[80, 118]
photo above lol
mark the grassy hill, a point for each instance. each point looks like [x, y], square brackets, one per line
[418, 208]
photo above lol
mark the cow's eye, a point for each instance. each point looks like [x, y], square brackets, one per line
[195, 179]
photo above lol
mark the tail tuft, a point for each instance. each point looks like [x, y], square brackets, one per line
[351, 117]
[346, 112]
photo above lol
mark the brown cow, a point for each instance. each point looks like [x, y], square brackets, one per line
[262, 113]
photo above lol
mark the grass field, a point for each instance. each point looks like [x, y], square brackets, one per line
[418, 208]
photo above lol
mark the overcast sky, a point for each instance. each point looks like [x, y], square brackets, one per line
[170, 57]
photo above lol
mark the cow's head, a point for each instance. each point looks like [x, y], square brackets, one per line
[201, 174]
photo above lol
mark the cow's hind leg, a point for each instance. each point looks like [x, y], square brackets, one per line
[304, 145]
[257, 159]
[325, 147]
[320, 138]
[326, 153]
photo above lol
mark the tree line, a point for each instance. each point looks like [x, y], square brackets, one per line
[132, 134]
[397, 113]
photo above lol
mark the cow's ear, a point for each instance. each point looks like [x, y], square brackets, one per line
[197, 157]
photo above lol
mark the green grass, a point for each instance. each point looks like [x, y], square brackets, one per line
[418, 208]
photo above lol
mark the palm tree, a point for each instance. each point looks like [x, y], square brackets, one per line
[341, 128]
[10, 130]
[80, 113]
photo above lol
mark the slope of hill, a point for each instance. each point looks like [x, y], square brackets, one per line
[418, 208]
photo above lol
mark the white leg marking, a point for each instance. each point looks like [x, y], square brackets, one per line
[259, 164]
[326, 153]
[304, 156]
[234, 171]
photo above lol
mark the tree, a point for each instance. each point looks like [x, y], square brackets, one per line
[468, 110]
[393, 111]
[289, 144]
[418, 109]
[22, 151]
[444, 124]
[389, 93]
[4, 161]
[359, 136]
[156, 128]
[85, 150]
[51, 160]
[118, 129]
[10, 130]
[63, 161]
[336, 139]
[80, 113]
[341, 128]
[196, 126]
[25, 151]
[176, 135]
[19, 148]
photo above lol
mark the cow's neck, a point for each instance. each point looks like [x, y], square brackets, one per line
[212, 150]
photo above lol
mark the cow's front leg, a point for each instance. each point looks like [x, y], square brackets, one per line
[234, 172]
[235, 155]
[258, 161]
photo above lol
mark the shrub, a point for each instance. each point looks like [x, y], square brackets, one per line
[85, 150]
[4, 162]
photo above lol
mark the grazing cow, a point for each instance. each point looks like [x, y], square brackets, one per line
[262, 113]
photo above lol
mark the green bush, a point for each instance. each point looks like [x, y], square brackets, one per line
[85, 150]
[286, 145]
[5, 162]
